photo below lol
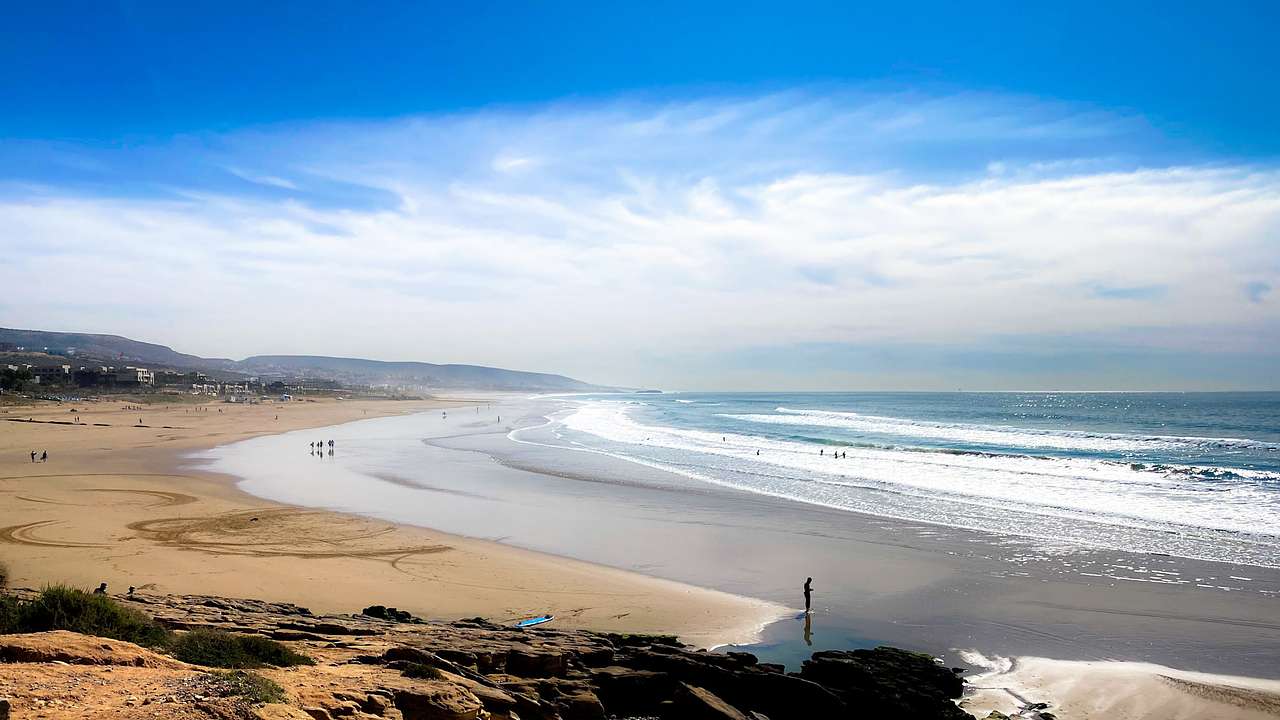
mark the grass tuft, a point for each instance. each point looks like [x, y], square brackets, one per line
[419, 671]
[59, 607]
[215, 648]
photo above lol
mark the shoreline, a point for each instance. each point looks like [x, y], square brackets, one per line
[1087, 689]
[1116, 690]
[132, 510]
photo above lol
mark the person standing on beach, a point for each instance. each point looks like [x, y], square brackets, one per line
[808, 594]
[33, 456]
[44, 456]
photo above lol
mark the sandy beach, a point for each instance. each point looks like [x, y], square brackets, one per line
[115, 504]
[121, 500]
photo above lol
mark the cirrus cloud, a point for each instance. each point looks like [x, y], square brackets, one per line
[664, 243]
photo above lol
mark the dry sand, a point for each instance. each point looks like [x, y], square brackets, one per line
[115, 504]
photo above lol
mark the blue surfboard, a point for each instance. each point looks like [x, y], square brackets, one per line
[530, 622]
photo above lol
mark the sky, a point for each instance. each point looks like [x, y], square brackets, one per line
[752, 196]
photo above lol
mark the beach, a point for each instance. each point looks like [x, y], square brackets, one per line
[456, 507]
[502, 471]
[118, 503]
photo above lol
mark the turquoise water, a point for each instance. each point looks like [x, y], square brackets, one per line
[1195, 475]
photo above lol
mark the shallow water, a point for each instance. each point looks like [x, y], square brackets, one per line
[1195, 475]
[900, 554]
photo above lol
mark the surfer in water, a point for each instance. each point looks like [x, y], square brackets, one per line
[808, 594]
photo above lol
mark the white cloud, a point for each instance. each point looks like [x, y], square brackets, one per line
[269, 180]
[616, 234]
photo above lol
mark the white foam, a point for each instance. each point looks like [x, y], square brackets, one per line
[1017, 488]
[997, 435]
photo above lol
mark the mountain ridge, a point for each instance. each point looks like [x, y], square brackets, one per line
[108, 348]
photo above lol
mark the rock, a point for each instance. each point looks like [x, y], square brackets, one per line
[459, 657]
[888, 681]
[330, 628]
[437, 701]
[626, 640]
[996, 715]
[494, 699]
[61, 646]
[787, 696]
[277, 711]
[294, 635]
[408, 654]
[581, 705]
[537, 663]
[4, 709]
[380, 666]
[696, 703]
[596, 655]
[390, 614]
[627, 691]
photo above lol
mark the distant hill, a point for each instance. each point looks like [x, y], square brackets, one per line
[410, 373]
[116, 350]
[111, 349]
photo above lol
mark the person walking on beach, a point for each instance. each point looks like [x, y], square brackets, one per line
[44, 456]
[808, 594]
[33, 456]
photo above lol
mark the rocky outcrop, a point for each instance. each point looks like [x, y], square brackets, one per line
[377, 665]
[60, 646]
[887, 680]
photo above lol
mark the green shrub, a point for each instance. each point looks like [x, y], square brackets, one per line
[419, 671]
[59, 607]
[250, 686]
[271, 652]
[10, 615]
[215, 648]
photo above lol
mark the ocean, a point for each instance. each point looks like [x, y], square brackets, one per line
[1195, 475]
[1136, 526]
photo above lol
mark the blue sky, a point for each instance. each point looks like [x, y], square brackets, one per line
[1202, 72]
[736, 195]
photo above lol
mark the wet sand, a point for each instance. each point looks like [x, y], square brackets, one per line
[877, 580]
[118, 502]
[1121, 691]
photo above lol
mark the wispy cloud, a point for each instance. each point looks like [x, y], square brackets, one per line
[594, 238]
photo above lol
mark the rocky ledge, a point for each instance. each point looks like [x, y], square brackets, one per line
[386, 664]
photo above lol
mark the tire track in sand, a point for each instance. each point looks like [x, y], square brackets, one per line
[273, 532]
[25, 535]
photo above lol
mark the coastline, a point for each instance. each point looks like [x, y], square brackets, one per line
[119, 503]
[199, 533]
